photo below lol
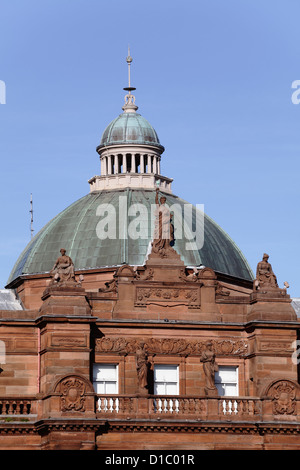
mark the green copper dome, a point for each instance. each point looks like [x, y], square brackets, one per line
[77, 230]
[129, 128]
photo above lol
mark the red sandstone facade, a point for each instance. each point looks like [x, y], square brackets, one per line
[163, 317]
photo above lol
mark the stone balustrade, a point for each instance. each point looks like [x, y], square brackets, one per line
[16, 406]
[170, 407]
[177, 406]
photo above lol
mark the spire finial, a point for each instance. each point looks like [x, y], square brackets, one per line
[129, 60]
[129, 106]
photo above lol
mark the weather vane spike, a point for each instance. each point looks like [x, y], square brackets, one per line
[31, 218]
[129, 105]
[129, 60]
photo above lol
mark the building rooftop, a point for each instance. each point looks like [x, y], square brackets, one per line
[9, 301]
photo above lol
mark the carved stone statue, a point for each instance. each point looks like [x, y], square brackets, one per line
[63, 270]
[210, 367]
[163, 229]
[264, 274]
[142, 368]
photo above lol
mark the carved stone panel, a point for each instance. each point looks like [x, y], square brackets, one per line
[167, 296]
[72, 398]
[174, 346]
[283, 394]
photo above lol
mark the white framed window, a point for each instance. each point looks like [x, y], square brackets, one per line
[166, 382]
[105, 379]
[226, 380]
[166, 379]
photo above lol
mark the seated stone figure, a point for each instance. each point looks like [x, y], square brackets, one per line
[63, 270]
[265, 278]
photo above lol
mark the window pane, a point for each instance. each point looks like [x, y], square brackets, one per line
[159, 388]
[164, 373]
[111, 387]
[226, 380]
[226, 374]
[171, 389]
[221, 389]
[105, 372]
[99, 387]
[105, 378]
[230, 390]
[166, 380]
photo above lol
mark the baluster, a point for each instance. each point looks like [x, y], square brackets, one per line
[192, 406]
[251, 407]
[197, 406]
[239, 406]
[165, 405]
[103, 404]
[224, 406]
[181, 406]
[155, 405]
[99, 404]
[113, 406]
[159, 405]
[121, 405]
[168, 405]
[18, 407]
[235, 407]
[9, 407]
[186, 404]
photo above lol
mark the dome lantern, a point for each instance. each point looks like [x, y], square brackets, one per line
[130, 151]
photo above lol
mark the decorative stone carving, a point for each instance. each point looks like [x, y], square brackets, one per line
[126, 272]
[220, 292]
[283, 394]
[142, 366]
[162, 295]
[163, 235]
[192, 277]
[62, 272]
[72, 389]
[176, 346]
[168, 346]
[208, 358]
[116, 345]
[110, 286]
[265, 278]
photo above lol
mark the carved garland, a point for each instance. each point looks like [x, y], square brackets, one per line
[170, 346]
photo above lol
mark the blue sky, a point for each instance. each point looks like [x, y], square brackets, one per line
[213, 78]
